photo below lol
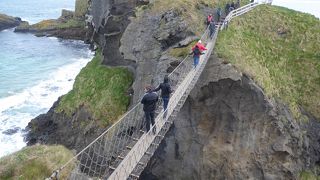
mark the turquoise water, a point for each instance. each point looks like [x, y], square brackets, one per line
[34, 11]
[34, 71]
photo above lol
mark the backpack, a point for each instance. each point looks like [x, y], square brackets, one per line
[196, 51]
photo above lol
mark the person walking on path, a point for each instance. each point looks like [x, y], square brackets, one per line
[212, 28]
[209, 19]
[219, 14]
[165, 91]
[197, 51]
[227, 9]
[233, 5]
[149, 102]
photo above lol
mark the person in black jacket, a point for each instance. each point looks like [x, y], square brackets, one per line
[165, 91]
[212, 28]
[227, 8]
[149, 102]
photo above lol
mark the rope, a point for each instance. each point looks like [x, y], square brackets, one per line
[103, 152]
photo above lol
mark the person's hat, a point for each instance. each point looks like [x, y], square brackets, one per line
[199, 41]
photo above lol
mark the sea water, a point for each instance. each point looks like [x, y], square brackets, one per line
[34, 71]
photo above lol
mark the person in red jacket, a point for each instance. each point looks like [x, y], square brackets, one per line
[209, 19]
[197, 50]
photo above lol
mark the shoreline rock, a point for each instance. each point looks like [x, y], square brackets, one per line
[7, 22]
[67, 26]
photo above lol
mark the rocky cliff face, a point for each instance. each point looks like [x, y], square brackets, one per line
[139, 43]
[67, 26]
[79, 129]
[228, 129]
[8, 21]
[74, 132]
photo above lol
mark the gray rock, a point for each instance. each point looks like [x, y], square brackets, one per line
[7, 22]
[23, 27]
[66, 15]
[225, 131]
[11, 131]
[187, 41]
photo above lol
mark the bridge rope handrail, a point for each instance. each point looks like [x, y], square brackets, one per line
[241, 10]
[135, 155]
[56, 172]
[115, 129]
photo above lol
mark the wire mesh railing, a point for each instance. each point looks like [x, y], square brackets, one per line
[105, 156]
[239, 11]
[142, 147]
[100, 157]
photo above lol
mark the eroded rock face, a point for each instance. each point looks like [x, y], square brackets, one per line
[141, 46]
[74, 132]
[146, 41]
[228, 129]
[109, 21]
[139, 43]
[7, 22]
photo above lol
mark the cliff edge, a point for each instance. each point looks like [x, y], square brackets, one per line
[249, 114]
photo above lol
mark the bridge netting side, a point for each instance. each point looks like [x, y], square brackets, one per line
[96, 159]
[118, 150]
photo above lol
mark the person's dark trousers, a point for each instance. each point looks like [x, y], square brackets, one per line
[211, 33]
[165, 106]
[165, 102]
[149, 118]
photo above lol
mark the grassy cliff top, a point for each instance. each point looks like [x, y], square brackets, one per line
[279, 48]
[34, 162]
[101, 90]
[81, 8]
[191, 10]
[6, 19]
[55, 24]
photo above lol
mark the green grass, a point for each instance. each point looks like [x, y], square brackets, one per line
[45, 24]
[306, 175]
[183, 51]
[55, 24]
[81, 8]
[35, 162]
[279, 48]
[71, 23]
[101, 90]
[188, 9]
[6, 19]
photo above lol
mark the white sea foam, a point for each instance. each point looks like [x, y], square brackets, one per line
[52, 38]
[17, 110]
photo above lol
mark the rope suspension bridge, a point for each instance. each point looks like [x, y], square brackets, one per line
[123, 150]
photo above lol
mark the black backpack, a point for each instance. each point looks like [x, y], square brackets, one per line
[196, 51]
